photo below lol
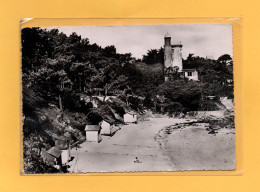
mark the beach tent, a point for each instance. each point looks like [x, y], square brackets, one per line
[93, 133]
[108, 126]
[130, 117]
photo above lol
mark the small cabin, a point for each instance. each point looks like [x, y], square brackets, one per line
[53, 156]
[59, 154]
[108, 127]
[64, 146]
[93, 133]
[130, 117]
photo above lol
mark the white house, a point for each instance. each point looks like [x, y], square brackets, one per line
[191, 74]
[93, 133]
[108, 127]
[130, 117]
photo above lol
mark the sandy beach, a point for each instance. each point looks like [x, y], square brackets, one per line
[189, 148]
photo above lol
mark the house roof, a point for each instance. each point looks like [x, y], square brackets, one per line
[117, 100]
[177, 45]
[117, 115]
[54, 151]
[47, 157]
[188, 70]
[67, 81]
[109, 119]
[131, 112]
[92, 128]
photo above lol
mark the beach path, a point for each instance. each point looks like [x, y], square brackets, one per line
[132, 148]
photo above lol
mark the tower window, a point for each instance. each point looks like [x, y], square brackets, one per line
[189, 73]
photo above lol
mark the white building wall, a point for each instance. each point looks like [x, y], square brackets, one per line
[129, 118]
[65, 156]
[167, 52]
[177, 57]
[108, 129]
[105, 128]
[194, 76]
[92, 136]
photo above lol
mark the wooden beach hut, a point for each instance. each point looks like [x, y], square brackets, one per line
[55, 153]
[130, 117]
[108, 126]
[93, 133]
[63, 143]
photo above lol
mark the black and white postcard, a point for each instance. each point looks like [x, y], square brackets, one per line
[133, 98]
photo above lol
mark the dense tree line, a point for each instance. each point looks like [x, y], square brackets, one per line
[216, 76]
[59, 66]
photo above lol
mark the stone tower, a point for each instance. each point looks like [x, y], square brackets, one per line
[173, 61]
[177, 56]
[167, 51]
[172, 53]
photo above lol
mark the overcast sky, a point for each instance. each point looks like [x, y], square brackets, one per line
[205, 40]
